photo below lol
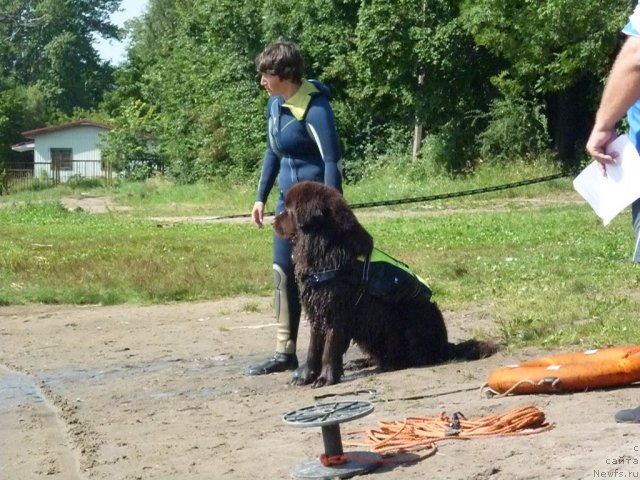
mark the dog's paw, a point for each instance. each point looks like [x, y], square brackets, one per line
[360, 363]
[327, 377]
[303, 376]
[320, 382]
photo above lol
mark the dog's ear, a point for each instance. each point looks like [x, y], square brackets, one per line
[338, 210]
[347, 225]
[343, 216]
[305, 202]
[309, 215]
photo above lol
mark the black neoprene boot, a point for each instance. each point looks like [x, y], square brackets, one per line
[280, 362]
[631, 415]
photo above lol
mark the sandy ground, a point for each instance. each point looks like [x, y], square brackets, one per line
[159, 392]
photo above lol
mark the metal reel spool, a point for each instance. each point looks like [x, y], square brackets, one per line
[329, 416]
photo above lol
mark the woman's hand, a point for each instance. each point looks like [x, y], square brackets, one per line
[257, 214]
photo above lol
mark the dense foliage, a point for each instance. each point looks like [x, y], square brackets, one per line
[484, 79]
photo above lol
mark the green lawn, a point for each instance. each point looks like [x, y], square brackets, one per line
[535, 258]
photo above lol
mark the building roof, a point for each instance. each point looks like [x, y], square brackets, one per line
[64, 126]
[27, 146]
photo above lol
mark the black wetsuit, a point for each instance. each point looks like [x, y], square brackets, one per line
[302, 144]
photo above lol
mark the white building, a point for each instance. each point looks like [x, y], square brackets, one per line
[67, 150]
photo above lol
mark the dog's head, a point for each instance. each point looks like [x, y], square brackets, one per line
[315, 208]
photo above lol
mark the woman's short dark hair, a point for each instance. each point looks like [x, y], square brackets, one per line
[283, 59]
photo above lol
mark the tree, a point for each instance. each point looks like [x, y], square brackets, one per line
[555, 55]
[129, 147]
[195, 64]
[48, 44]
[407, 57]
[11, 121]
[488, 67]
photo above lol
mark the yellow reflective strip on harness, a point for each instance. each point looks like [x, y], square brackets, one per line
[379, 256]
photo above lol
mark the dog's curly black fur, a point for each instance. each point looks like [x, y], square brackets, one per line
[328, 237]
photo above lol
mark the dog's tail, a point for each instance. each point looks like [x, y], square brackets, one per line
[472, 350]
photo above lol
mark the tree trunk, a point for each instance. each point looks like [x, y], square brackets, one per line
[569, 120]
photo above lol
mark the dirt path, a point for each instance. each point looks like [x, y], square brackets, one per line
[159, 392]
[105, 204]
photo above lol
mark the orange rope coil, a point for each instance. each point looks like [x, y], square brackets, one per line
[417, 433]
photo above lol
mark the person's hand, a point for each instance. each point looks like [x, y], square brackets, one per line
[257, 214]
[597, 145]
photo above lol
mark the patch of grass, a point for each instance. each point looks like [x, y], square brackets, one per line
[398, 179]
[535, 259]
[113, 259]
[251, 307]
[158, 197]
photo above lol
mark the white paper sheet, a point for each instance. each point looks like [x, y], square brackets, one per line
[609, 195]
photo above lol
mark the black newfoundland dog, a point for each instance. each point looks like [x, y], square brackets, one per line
[351, 291]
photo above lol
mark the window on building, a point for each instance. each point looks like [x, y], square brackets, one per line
[61, 159]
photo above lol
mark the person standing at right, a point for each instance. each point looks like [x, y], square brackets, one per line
[621, 95]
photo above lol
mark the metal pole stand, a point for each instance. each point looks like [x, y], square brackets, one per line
[334, 463]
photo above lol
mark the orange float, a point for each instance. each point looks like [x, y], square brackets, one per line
[579, 371]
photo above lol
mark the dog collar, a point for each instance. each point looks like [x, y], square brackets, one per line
[350, 274]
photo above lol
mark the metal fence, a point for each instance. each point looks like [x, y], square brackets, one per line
[30, 175]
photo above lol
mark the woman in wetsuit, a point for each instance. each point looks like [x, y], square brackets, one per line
[302, 144]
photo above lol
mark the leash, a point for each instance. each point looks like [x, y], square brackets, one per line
[427, 198]
[463, 193]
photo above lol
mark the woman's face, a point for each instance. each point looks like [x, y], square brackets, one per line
[273, 84]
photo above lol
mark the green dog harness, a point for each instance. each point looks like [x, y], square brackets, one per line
[379, 275]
